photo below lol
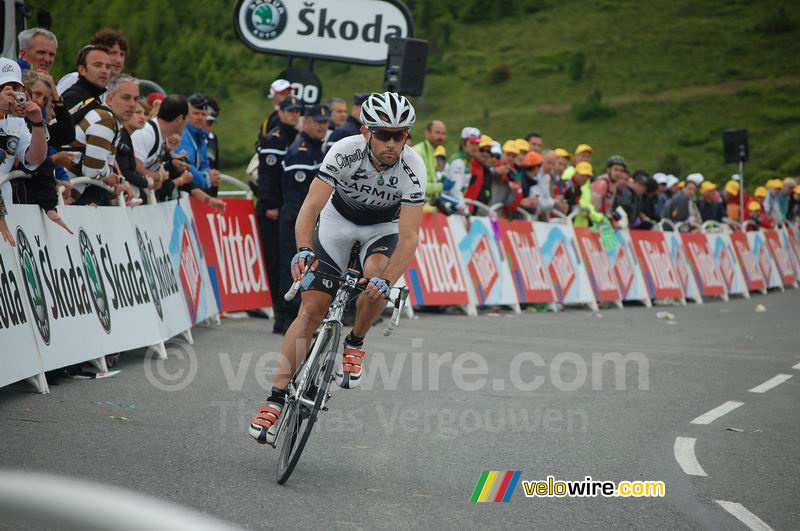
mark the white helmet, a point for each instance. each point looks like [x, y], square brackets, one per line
[388, 110]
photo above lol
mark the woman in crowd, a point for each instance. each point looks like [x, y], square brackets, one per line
[125, 156]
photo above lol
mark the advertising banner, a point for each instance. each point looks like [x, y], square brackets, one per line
[149, 225]
[486, 266]
[88, 291]
[622, 258]
[564, 263]
[727, 263]
[682, 267]
[19, 353]
[434, 276]
[657, 266]
[750, 267]
[601, 276]
[780, 255]
[527, 267]
[763, 257]
[706, 273]
[233, 255]
[792, 244]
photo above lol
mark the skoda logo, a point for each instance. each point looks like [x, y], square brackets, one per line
[148, 271]
[97, 289]
[33, 286]
[266, 19]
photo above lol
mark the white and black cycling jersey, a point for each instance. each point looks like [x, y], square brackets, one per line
[364, 195]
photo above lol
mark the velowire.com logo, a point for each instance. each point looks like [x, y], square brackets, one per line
[494, 486]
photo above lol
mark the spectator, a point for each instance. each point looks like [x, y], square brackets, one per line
[563, 164]
[506, 182]
[213, 140]
[96, 137]
[126, 157]
[269, 199]
[16, 142]
[37, 50]
[40, 189]
[435, 135]
[299, 168]
[457, 173]
[605, 187]
[523, 147]
[648, 214]
[772, 203]
[154, 100]
[696, 178]
[441, 160]
[731, 198]
[537, 199]
[279, 90]
[7, 236]
[760, 194]
[193, 145]
[338, 109]
[629, 198]
[94, 72]
[758, 216]
[793, 214]
[352, 125]
[709, 204]
[578, 196]
[583, 153]
[535, 142]
[682, 207]
[670, 189]
[482, 171]
[786, 195]
[115, 44]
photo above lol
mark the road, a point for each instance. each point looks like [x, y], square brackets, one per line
[407, 450]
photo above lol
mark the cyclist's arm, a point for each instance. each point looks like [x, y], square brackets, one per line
[318, 194]
[408, 235]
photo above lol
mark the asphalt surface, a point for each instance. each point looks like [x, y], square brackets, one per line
[407, 450]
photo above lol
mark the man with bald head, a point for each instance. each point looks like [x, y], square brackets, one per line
[435, 135]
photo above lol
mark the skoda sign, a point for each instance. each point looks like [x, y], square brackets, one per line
[350, 31]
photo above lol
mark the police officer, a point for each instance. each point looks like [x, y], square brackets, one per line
[271, 150]
[353, 124]
[300, 166]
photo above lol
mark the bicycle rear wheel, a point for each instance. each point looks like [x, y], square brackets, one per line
[300, 418]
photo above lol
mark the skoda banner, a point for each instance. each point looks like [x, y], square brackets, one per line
[349, 31]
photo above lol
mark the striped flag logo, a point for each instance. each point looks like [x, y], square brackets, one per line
[494, 486]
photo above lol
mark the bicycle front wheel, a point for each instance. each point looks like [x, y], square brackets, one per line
[300, 416]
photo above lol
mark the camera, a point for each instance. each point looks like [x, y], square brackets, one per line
[20, 98]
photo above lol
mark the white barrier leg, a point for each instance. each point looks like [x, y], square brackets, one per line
[269, 311]
[187, 335]
[515, 307]
[469, 309]
[160, 349]
[39, 382]
[100, 364]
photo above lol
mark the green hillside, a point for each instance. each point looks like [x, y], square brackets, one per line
[654, 81]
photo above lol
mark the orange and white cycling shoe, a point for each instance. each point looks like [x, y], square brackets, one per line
[264, 426]
[348, 372]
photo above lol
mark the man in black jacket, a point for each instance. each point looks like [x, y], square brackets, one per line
[94, 73]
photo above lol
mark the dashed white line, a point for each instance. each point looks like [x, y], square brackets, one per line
[743, 515]
[769, 384]
[796, 366]
[717, 412]
[684, 455]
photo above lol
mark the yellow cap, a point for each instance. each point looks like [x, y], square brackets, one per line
[561, 152]
[511, 146]
[524, 147]
[754, 206]
[774, 183]
[681, 184]
[486, 141]
[760, 192]
[707, 186]
[584, 168]
[583, 147]
[732, 187]
[440, 151]
[796, 189]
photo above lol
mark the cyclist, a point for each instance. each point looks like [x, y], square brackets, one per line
[370, 188]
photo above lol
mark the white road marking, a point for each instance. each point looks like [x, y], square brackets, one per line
[769, 384]
[717, 412]
[743, 515]
[796, 366]
[684, 455]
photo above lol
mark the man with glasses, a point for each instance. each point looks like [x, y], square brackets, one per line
[271, 151]
[193, 147]
[369, 188]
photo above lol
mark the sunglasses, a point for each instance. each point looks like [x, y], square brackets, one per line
[485, 150]
[384, 135]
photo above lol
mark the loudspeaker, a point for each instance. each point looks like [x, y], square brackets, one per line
[405, 66]
[735, 144]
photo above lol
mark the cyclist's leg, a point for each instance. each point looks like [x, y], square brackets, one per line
[314, 304]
